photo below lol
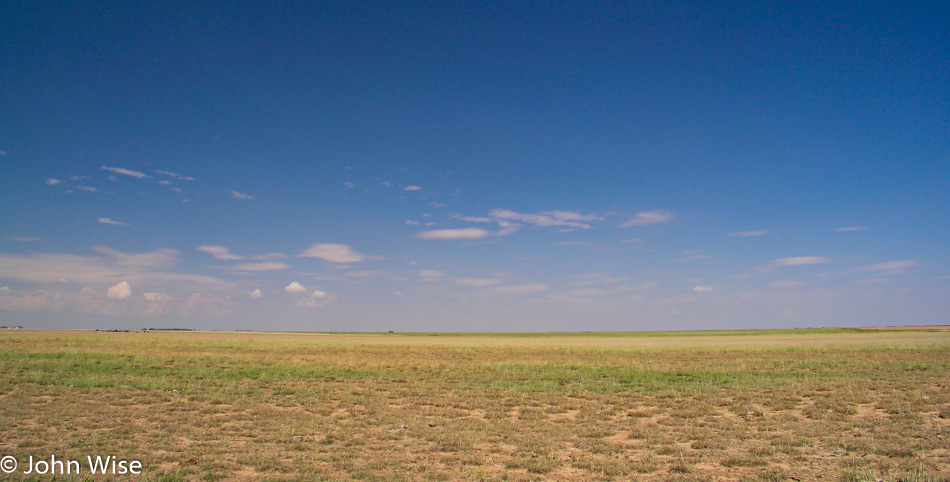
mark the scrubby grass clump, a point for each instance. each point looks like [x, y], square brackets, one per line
[842, 404]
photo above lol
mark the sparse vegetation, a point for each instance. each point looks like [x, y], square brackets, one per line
[845, 404]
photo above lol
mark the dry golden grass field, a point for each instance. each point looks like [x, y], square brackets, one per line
[760, 405]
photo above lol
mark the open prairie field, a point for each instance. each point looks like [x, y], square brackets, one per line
[760, 405]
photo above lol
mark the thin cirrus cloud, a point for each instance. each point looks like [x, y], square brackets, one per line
[895, 266]
[478, 282]
[370, 274]
[412, 188]
[144, 268]
[334, 253]
[851, 229]
[785, 283]
[547, 218]
[159, 258]
[644, 218]
[219, 252]
[523, 289]
[224, 253]
[112, 222]
[590, 279]
[240, 195]
[52, 182]
[452, 234]
[794, 261]
[473, 219]
[430, 275]
[175, 175]
[126, 172]
[747, 234]
[263, 266]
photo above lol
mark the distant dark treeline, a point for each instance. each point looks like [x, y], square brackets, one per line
[168, 329]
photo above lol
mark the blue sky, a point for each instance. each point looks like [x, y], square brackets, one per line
[474, 166]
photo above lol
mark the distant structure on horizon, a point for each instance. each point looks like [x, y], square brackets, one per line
[15, 327]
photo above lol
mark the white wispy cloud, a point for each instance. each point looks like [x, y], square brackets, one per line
[142, 268]
[334, 253]
[794, 261]
[746, 234]
[506, 228]
[369, 274]
[590, 279]
[159, 258]
[349, 184]
[547, 218]
[316, 299]
[240, 195]
[891, 267]
[263, 266]
[585, 293]
[478, 282]
[295, 287]
[449, 234]
[582, 244]
[522, 289]
[412, 188]
[472, 219]
[702, 289]
[53, 182]
[411, 222]
[112, 222]
[644, 218]
[198, 303]
[849, 229]
[224, 253]
[694, 255]
[219, 252]
[120, 291]
[430, 275]
[126, 172]
[25, 239]
[89, 301]
[267, 256]
[872, 281]
[785, 283]
[256, 294]
[175, 175]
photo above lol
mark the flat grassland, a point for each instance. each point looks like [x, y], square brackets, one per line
[759, 405]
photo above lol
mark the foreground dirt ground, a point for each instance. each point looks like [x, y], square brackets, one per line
[829, 405]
